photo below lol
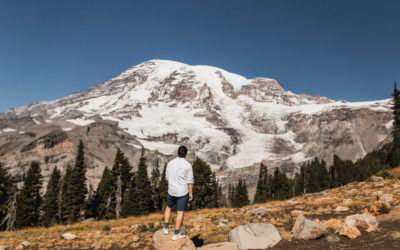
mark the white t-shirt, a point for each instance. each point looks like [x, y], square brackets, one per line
[179, 174]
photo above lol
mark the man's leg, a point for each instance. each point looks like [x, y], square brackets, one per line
[179, 220]
[167, 214]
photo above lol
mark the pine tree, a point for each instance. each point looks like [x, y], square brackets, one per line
[7, 190]
[130, 205]
[203, 189]
[281, 186]
[66, 194]
[29, 199]
[394, 155]
[144, 190]
[74, 196]
[231, 195]
[103, 196]
[91, 206]
[51, 202]
[162, 190]
[241, 194]
[261, 190]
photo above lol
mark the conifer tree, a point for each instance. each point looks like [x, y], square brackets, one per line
[394, 155]
[203, 189]
[231, 195]
[241, 194]
[91, 206]
[144, 190]
[51, 202]
[281, 186]
[29, 199]
[162, 190]
[7, 190]
[103, 196]
[261, 190]
[130, 205]
[66, 194]
[74, 197]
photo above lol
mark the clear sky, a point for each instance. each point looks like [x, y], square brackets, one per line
[342, 49]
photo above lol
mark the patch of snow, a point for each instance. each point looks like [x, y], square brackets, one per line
[389, 124]
[168, 149]
[81, 122]
[66, 129]
[37, 122]
[21, 132]
[6, 130]
[135, 145]
[48, 121]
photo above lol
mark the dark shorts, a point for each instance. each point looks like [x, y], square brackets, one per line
[180, 202]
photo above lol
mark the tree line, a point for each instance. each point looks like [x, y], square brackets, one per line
[121, 192]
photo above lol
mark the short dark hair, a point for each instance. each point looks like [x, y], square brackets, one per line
[182, 151]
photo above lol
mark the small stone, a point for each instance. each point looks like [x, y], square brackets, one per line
[260, 211]
[376, 178]
[395, 236]
[135, 238]
[69, 236]
[87, 221]
[349, 231]
[386, 198]
[347, 201]
[221, 225]
[98, 233]
[134, 226]
[341, 209]
[332, 238]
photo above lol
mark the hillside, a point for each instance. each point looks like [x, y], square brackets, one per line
[231, 122]
[212, 225]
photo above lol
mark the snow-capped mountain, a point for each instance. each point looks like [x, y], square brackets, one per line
[228, 120]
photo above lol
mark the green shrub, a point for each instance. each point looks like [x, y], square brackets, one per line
[384, 209]
[106, 228]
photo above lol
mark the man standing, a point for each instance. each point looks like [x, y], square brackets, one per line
[179, 175]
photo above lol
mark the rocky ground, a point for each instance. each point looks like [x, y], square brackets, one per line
[329, 208]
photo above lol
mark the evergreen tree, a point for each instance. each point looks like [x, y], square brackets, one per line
[241, 194]
[75, 190]
[29, 199]
[7, 190]
[91, 206]
[103, 196]
[144, 190]
[66, 194]
[162, 190]
[394, 155]
[203, 189]
[130, 205]
[281, 186]
[231, 195]
[261, 190]
[51, 202]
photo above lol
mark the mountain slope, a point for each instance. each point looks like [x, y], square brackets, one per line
[228, 120]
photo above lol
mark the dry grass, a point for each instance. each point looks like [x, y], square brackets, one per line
[395, 173]
[204, 225]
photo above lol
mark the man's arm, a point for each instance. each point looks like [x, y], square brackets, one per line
[190, 191]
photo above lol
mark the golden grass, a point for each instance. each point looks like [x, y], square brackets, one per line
[91, 234]
[395, 173]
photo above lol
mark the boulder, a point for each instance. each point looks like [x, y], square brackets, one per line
[164, 242]
[364, 220]
[220, 246]
[254, 236]
[349, 231]
[69, 236]
[307, 229]
[23, 245]
[386, 198]
[260, 211]
[376, 178]
[341, 209]
[333, 224]
[332, 238]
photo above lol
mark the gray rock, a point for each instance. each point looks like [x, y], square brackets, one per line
[134, 226]
[307, 229]
[376, 178]
[254, 236]
[332, 238]
[260, 211]
[4, 247]
[363, 220]
[220, 246]
[341, 209]
[386, 198]
[135, 238]
[69, 236]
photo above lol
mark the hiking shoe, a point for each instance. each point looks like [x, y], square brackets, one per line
[178, 236]
[166, 230]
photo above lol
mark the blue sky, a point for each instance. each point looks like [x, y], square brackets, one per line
[342, 49]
